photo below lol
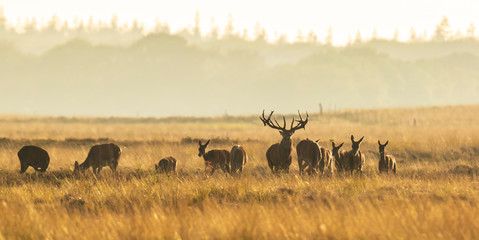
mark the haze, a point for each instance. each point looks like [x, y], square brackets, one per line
[275, 55]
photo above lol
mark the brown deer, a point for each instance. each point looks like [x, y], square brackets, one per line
[355, 157]
[100, 156]
[386, 162]
[238, 159]
[166, 165]
[279, 154]
[339, 158]
[326, 159]
[309, 153]
[35, 157]
[215, 159]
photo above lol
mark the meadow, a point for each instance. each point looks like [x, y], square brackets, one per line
[429, 198]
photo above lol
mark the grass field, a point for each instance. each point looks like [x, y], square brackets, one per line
[427, 199]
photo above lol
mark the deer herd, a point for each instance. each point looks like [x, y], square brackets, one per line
[312, 158]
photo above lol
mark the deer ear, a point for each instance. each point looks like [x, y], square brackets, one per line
[76, 164]
[352, 138]
[317, 141]
[199, 142]
[340, 145]
[206, 144]
[360, 140]
[386, 143]
[379, 142]
[332, 144]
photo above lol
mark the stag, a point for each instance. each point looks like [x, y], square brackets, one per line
[238, 159]
[166, 165]
[100, 156]
[355, 157]
[35, 157]
[309, 156]
[279, 154]
[386, 162]
[215, 159]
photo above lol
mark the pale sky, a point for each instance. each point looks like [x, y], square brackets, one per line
[346, 17]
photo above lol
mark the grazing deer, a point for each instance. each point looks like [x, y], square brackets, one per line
[309, 153]
[279, 154]
[215, 159]
[326, 159]
[356, 158]
[35, 157]
[386, 162]
[166, 165]
[238, 159]
[100, 156]
[340, 159]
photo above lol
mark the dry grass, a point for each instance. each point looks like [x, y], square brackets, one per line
[427, 199]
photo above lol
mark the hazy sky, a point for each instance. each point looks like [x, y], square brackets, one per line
[346, 17]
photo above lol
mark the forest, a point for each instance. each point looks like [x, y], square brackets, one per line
[103, 69]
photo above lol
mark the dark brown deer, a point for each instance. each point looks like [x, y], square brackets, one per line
[166, 165]
[340, 159]
[238, 159]
[215, 159]
[100, 156]
[326, 159]
[356, 158]
[386, 162]
[35, 157]
[309, 156]
[279, 154]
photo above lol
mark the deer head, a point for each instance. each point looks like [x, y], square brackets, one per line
[285, 133]
[336, 149]
[382, 147]
[202, 148]
[355, 145]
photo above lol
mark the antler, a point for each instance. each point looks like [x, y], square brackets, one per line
[269, 122]
[301, 123]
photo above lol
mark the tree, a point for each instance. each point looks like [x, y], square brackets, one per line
[196, 28]
[329, 38]
[229, 28]
[359, 38]
[299, 36]
[396, 35]
[311, 38]
[214, 32]
[259, 33]
[470, 30]
[374, 35]
[412, 35]
[442, 32]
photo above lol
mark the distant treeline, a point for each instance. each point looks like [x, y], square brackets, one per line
[165, 74]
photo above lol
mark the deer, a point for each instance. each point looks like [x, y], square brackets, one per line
[166, 165]
[326, 159]
[339, 157]
[386, 162]
[100, 156]
[308, 152]
[355, 157]
[214, 159]
[279, 154]
[238, 159]
[33, 156]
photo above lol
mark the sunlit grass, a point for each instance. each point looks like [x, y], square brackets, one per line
[427, 199]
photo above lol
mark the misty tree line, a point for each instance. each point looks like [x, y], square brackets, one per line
[35, 37]
[166, 73]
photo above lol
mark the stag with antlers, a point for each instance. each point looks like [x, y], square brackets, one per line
[279, 154]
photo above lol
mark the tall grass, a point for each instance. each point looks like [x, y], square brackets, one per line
[427, 199]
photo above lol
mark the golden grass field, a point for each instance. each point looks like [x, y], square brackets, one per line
[427, 199]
